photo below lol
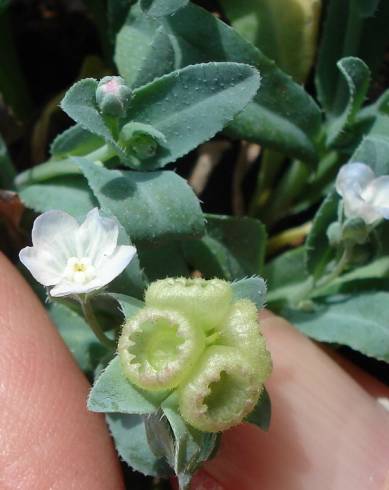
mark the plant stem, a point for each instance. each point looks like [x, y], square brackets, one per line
[57, 168]
[339, 268]
[92, 321]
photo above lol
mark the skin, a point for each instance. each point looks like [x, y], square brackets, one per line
[328, 432]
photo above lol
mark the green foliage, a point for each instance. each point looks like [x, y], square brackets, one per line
[79, 339]
[129, 433]
[317, 246]
[284, 30]
[252, 288]
[154, 55]
[191, 105]
[343, 112]
[191, 447]
[232, 248]
[289, 120]
[68, 193]
[354, 320]
[150, 206]
[261, 415]
[113, 393]
[160, 8]
[75, 141]
[352, 28]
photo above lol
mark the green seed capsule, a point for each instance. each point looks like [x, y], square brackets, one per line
[158, 349]
[242, 331]
[204, 303]
[220, 392]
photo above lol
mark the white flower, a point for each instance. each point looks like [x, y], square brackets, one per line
[365, 195]
[75, 258]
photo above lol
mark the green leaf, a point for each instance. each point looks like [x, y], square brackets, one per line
[286, 277]
[356, 320]
[78, 337]
[285, 30]
[68, 193]
[191, 105]
[75, 141]
[252, 288]
[7, 170]
[352, 28]
[129, 306]
[261, 415]
[150, 206]
[164, 260]
[154, 53]
[80, 104]
[232, 248]
[191, 447]
[112, 392]
[374, 151]
[357, 77]
[160, 436]
[129, 434]
[160, 8]
[317, 246]
[282, 114]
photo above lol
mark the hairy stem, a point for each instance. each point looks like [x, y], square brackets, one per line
[92, 321]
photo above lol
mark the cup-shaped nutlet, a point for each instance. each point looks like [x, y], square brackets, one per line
[141, 140]
[220, 392]
[158, 348]
[113, 96]
[204, 303]
[241, 330]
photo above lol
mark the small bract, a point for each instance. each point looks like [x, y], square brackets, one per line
[365, 196]
[75, 259]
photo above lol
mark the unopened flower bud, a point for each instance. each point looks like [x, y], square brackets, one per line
[355, 230]
[334, 234]
[113, 96]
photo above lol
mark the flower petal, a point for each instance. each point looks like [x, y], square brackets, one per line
[377, 194]
[54, 232]
[114, 265]
[97, 237]
[353, 176]
[110, 268]
[42, 265]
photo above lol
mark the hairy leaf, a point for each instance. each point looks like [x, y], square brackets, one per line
[252, 288]
[364, 35]
[129, 434]
[75, 141]
[356, 320]
[233, 248]
[191, 105]
[318, 250]
[284, 30]
[282, 114]
[151, 206]
[112, 392]
[68, 193]
[357, 77]
[261, 415]
[159, 8]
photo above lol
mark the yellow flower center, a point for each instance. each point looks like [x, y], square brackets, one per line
[79, 270]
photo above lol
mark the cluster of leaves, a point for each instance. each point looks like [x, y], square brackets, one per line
[192, 77]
